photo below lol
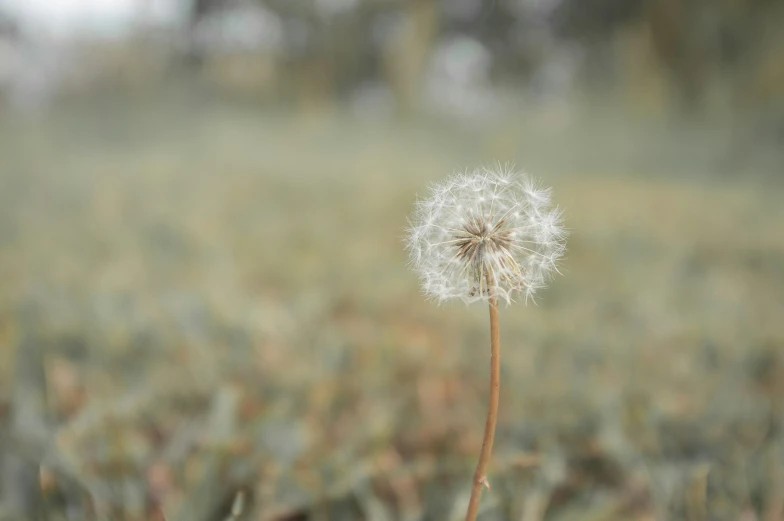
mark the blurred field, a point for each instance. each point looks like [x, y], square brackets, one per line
[219, 299]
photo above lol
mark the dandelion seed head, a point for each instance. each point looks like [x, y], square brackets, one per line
[488, 232]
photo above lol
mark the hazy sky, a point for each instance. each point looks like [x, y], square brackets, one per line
[95, 17]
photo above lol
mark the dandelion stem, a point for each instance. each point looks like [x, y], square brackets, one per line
[480, 475]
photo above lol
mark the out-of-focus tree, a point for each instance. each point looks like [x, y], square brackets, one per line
[328, 49]
[693, 53]
[696, 45]
[199, 9]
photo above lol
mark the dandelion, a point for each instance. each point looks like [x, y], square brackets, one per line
[485, 236]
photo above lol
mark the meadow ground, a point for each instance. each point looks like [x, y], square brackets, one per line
[200, 303]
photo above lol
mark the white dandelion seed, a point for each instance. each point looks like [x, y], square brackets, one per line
[490, 233]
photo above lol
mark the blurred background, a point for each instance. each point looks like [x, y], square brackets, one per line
[205, 312]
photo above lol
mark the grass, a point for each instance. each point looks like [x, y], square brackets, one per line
[221, 300]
